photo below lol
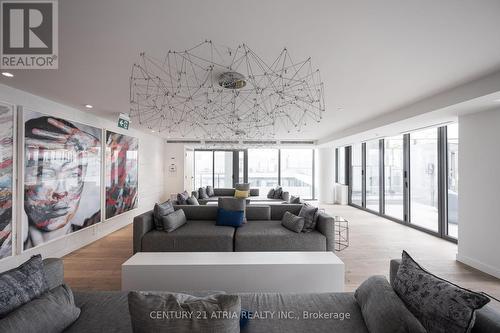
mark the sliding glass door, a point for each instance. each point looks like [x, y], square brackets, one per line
[223, 169]
[452, 180]
[341, 178]
[424, 179]
[203, 168]
[394, 176]
[357, 174]
[373, 175]
[263, 169]
[297, 171]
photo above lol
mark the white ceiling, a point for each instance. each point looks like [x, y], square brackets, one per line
[374, 56]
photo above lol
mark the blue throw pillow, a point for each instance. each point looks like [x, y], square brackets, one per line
[230, 218]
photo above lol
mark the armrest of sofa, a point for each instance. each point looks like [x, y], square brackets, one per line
[326, 226]
[285, 196]
[142, 225]
[54, 271]
[394, 269]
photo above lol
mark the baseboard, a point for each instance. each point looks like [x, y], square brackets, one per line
[488, 269]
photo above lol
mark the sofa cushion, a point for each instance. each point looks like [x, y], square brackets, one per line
[258, 212]
[231, 218]
[196, 235]
[277, 211]
[243, 187]
[214, 313]
[202, 191]
[270, 194]
[272, 236]
[295, 200]
[224, 192]
[254, 192]
[103, 311]
[210, 191]
[241, 194]
[161, 210]
[173, 221]
[300, 306]
[53, 311]
[182, 198]
[20, 285]
[310, 218]
[438, 304]
[233, 204]
[382, 309]
[292, 222]
[201, 212]
[192, 201]
[278, 192]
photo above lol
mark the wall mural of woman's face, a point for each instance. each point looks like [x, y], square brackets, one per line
[53, 187]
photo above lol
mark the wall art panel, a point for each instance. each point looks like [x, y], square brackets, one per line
[6, 178]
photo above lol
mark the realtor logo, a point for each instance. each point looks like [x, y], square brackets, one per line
[29, 34]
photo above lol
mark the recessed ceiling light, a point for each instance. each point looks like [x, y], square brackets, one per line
[88, 106]
[7, 74]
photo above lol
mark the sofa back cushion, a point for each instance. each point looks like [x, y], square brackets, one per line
[202, 212]
[243, 186]
[254, 192]
[258, 212]
[277, 211]
[224, 192]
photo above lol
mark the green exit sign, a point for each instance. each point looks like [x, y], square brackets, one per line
[123, 121]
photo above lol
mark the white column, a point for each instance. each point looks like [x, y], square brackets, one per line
[325, 174]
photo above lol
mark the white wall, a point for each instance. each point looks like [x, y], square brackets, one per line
[325, 175]
[151, 175]
[479, 206]
[174, 181]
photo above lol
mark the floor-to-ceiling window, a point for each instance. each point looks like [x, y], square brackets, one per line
[394, 176]
[203, 168]
[373, 175]
[424, 179]
[263, 169]
[297, 171]
[341, 166]
[452, 179]
[356, 174]
[223, 169]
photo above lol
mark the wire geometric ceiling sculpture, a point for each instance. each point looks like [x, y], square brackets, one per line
[219, 93]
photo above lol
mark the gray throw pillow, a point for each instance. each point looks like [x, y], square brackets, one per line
[439, 305]
[292, 222]
[270, 194]
[192, 201]
[233, 204]
[161, 210]
[174, 220]
[382, 309]
[278, 192]
[210, 191]
[243, 187]
[203, 193]
[215, 313]
[182, 198]
[52, 312]
[295, 200]
[309, 215]
[22, 284]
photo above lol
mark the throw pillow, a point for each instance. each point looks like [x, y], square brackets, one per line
[243, 187]
[234, 204]
[53, 311]
[382, 309]
[182, 198]
[192, 201]
[295, 200]
[210, 191]
[270, 194]
[278, 192]
[309, 215]
[20, 285]
[241, 194]
[439, 305]
[203, 193]
[174, 220]
[231, 218]
[161, 210]
[149, 312]
[292, 222]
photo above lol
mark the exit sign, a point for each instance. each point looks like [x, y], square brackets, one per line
[123, 121]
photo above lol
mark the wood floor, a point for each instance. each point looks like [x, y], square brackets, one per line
[373, 242]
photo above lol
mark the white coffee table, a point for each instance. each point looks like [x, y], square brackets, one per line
[234, 272]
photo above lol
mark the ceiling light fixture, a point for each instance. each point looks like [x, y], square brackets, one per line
[215, 92]
[88, 106]
[7, 74]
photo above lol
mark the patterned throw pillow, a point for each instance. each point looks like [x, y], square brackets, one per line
[203, 193]
[270, 194]
[22, 284]
[161, 210]
[309, 215]
[439, 305]
[210, 191]
[182, 198]
[292, 222]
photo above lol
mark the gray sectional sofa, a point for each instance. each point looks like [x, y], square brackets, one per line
[229, 192]
[262, 232]
[108, 311]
